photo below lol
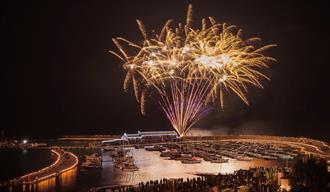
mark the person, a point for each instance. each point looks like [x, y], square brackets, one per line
[213, 189]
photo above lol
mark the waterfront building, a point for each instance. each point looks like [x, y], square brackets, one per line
[142, 136]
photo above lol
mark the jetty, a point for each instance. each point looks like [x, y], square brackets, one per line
[65, 161]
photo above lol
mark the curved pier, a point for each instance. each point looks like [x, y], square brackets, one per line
[65, 161]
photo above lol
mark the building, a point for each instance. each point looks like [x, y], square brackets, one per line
[142, 137]
[153, 136]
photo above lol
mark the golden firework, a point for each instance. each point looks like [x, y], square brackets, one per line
[190, 68]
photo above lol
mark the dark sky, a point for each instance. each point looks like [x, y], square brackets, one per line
[61, 80]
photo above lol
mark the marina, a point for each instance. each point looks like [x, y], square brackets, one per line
[130, 164]
[219, 152]
[165, 96]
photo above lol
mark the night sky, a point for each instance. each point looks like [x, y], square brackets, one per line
[60, 78]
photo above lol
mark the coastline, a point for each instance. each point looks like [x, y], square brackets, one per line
[64, 162]
[18, 162]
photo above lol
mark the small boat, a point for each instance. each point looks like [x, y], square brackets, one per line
[118, 164]
[128, 165]
[181, 156]
[193, 160]
[90, 164]
[243, 158]
[284, 156]
[166, 153]
[155, 148]
[219, 160]
[130, 168]
[92, 161]
[207, 158]
[269, 157]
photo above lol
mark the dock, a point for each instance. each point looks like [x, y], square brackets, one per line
[65, 161]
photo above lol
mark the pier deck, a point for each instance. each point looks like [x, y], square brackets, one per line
[64, 162]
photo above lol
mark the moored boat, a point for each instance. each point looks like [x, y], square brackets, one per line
[193, 160]
[219, 160]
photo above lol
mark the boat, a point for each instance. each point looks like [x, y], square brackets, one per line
[193, 160]
[219, 160]
[269, 157]
[181, 156]
[165, 154]
[284, 156]
[118, 164]
[93, 156]
[129, 167]
[92, 161]
[91, 164]
[155, 148]
[243, 158]
[207, 158]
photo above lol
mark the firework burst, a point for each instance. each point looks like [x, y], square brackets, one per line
[191, 68]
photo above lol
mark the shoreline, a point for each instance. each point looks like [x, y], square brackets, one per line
[47, 172]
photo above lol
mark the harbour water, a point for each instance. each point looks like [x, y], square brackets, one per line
[151, 165]
[18, 162]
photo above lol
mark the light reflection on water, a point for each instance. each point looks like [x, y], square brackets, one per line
[153, 167]
[63, 182]
[68, 179]
[47, 185]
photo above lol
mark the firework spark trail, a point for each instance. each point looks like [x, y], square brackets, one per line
[184, 104]
[191, 68]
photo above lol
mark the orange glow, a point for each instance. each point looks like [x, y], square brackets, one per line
[68, 178]
[47, 185]
[25, 179]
